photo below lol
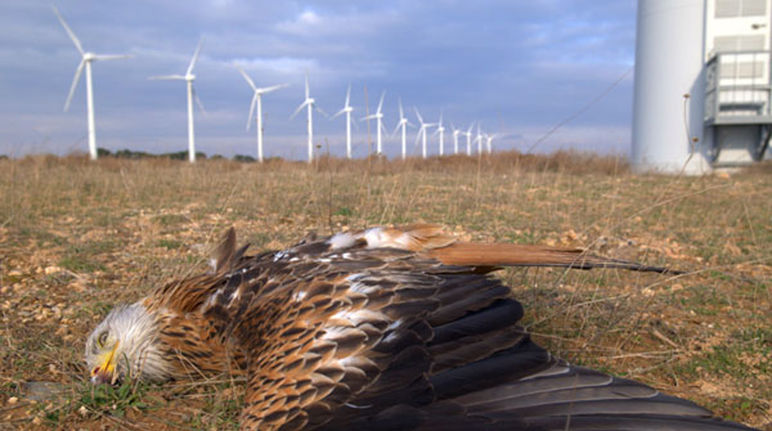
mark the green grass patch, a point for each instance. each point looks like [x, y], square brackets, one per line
[169, 244]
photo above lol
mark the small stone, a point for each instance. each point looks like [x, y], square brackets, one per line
[83, 411]
[52, 270]
[13, 400]
[42, 391]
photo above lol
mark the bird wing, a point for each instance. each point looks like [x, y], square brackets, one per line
[371, 330]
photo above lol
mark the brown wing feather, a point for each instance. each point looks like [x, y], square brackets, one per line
[497, 255]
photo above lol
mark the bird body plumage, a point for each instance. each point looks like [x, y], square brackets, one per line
[387, 329]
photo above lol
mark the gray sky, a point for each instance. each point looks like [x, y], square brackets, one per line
[516, 66]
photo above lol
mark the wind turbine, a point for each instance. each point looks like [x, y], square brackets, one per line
[403, 123]
[488, 140]
[86, 59]
[347, 109]
[188, 77]
[441, 131]
[455, 138]
[257, 100]
[478, 139]
[310, 103]
[422, 132]
[378, 116]
[468, 134]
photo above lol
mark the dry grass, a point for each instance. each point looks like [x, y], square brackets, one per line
[77, 237]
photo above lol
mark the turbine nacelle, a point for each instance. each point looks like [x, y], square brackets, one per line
[375, 116]
[343, 111]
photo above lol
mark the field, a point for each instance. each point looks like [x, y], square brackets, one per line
[77, 237]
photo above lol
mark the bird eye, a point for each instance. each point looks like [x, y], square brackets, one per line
[101, 339]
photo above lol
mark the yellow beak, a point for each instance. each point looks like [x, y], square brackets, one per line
[105, 373]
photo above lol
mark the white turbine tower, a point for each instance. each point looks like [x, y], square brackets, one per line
[309, 103]
[257, 101]
[488, 140]
[441, 131]
[347, 109]
[468, 134]
[403, 123]
[86, 59]
[478, 139]
[378, 116]
[189, 77]
[455, 138]
[422, 132]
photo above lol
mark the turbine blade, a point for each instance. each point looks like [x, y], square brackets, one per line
[69, 30]
[380, 104]
[198, 101]
[271, 88]
[166, 77]
[194, 60]
[249, 80]
[321, 111]
[74, 84]
[401, 111]
[396, 128]
[308, 92]
[338, 113]
[302, 105]
[418, 114]
[251, 110]
[348, 96]
[111, 56]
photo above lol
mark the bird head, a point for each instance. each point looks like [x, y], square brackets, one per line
[126, 344]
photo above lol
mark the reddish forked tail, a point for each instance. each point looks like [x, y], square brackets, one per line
[492, 255]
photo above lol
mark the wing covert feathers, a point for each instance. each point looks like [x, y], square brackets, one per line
[400, 329]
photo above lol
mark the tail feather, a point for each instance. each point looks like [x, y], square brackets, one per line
[496, 255]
